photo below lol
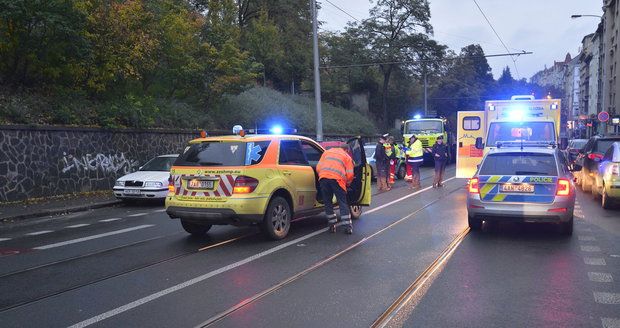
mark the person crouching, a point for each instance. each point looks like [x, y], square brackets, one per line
[335, 169]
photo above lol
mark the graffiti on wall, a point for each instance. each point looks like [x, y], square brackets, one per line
[111, 163]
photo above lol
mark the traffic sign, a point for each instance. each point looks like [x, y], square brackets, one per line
[603, 116]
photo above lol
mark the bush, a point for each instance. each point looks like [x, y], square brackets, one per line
[264, 107]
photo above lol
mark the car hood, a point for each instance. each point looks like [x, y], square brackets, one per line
[161, 176]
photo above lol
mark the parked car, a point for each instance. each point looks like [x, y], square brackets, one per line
[590, 157]
[401, 169]
[149, 182]
[524, 185]
[573, 149]
[607, 178]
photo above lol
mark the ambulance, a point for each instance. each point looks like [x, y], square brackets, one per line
[521, 120]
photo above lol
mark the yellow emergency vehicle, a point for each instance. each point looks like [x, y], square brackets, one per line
[522, 119]
[264, 180]
[427, 130]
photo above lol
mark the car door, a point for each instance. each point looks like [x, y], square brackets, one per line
[359, 192]
[603, 166]
[471, 126]
[297, 174]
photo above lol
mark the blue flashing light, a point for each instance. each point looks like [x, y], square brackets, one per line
[516, 114]
[276, 129]
[417, 116]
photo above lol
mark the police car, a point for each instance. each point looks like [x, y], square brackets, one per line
[266, 180]
[531, 184]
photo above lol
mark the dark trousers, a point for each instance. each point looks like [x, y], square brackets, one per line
[440, 167]
[329, 188]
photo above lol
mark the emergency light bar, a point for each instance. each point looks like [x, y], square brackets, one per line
[522, 144]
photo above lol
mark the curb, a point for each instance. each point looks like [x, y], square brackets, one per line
[59, 211]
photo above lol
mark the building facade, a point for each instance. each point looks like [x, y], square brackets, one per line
[611, 60]
[553, 76]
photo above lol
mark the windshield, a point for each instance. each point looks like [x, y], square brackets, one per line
[369, 151]
[426, 127]
[519, 164]
[215, 153]
[520, 131]
[159, 164]
[578, 144]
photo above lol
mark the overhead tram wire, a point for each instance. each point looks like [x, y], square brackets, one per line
[426, 60]
[500, 39]
[344, 11]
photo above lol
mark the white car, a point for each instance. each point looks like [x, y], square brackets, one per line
[149, 182]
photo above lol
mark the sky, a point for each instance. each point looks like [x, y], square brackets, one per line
[543, 27]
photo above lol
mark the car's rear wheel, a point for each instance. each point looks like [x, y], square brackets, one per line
[474, 224]
[605, 201]
[277, 220]
[402, 171]
[356, 212]
[567, 227]
[195, 229]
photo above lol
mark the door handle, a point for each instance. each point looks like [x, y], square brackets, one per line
[285, 172]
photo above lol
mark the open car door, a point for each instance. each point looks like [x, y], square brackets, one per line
[359, 192]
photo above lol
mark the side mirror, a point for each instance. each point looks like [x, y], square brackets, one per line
[575, 167]
[479, 143]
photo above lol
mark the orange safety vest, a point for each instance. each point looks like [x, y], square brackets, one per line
[337, 165]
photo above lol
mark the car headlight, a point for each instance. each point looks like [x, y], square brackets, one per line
[119, 183]
[153, 184]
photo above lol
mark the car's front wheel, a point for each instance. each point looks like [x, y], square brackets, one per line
[474, 224]
[195, 229]
[356, 212]
[277, 220]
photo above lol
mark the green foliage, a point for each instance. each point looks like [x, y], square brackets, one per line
[262, 107]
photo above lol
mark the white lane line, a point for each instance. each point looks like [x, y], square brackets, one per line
[606, 298]
[110, 220]
[586, 238]
[594, 261]
[600, 277]
[213, 273]
[610, 322]
[79, 240]
[577, 206]
[590, 248]
[5, 239]
[138, 214]
[159, 211]
[78, 225]
[36, 233]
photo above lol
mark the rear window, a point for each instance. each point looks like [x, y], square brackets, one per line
[519, 164]
[601, 145]
[214, 153]
[578, 144]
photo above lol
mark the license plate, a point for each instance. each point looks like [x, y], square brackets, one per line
[523, 188]
[200, 184]
[131, 191]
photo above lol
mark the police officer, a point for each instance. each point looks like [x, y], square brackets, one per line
[440, 155]
[335, 169]
[415, 158]
[382, 162]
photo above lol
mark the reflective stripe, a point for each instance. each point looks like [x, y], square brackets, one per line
[350, 171]
[335, 171]
[335, 159]
[332, 221]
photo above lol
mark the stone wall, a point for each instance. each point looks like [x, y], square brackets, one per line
[45, 161]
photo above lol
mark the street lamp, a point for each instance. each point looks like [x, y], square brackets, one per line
[603, 64]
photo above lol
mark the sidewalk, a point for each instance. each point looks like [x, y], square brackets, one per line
[35, 208]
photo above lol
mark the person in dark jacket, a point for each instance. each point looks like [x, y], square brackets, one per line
[440, 154]
[382, 161]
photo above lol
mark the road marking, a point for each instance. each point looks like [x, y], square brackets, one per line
[586, 238]
[5, 239]
[590, 248]
[577, 206]
[610, 322]
[137, 214]
[579, 216]
[110, 220]
[594, 261]
[162, 293]
[79, 240]
[600, 277]
[606, 298]
[78, 225]
[159, 211]
[39, 233]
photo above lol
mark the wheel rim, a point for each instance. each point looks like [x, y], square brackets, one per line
[279, 219]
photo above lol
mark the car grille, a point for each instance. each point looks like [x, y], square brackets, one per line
[424, 143]
[134, 183]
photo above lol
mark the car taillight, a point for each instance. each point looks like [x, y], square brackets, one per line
[474, 187]
[170, 184]
[244, 185]
[563, 187]
[593, 156]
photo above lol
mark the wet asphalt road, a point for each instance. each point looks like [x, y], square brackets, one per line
[133, 266]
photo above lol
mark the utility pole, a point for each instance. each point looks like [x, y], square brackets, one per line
[425, 94]
[317, 77]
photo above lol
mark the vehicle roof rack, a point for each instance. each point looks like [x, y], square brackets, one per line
[522, 144]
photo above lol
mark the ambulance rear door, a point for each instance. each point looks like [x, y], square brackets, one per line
[471, 125]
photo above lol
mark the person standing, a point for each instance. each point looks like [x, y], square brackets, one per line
[415, 158]
[382, 163]
[440, 155]
[335, 169]
[390, 151]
